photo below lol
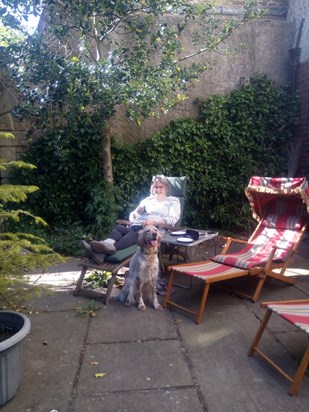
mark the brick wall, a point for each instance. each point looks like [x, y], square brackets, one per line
[302, 132]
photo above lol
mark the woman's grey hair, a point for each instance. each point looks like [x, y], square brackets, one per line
[161, 179]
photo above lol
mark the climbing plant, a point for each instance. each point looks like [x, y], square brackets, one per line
[241, 134]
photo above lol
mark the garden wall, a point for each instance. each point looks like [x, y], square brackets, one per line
[10, 149]
[299, 15]
[267, 44]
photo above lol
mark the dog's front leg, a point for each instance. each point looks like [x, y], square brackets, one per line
[130, 300]
[139, 291]
[155, 301]
[128, 293]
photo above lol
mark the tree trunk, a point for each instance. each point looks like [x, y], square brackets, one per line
[107, 156]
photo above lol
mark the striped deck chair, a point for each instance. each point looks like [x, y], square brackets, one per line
[297, 313]
[114, 263]
[281, 205]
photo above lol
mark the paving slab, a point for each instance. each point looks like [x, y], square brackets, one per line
[118, 323]
[134, 366]
[227, 377]
[162, 400]
[51, 356]
[157, 361]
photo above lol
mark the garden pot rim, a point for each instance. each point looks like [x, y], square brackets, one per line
[18, 336]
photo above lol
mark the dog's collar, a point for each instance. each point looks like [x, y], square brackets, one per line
[151, 253]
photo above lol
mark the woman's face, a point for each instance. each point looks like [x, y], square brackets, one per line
[159, 190]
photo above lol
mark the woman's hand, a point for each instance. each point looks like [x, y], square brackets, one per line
[141, 210]
[153, 222]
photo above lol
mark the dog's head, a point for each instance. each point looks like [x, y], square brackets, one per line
[149, 238]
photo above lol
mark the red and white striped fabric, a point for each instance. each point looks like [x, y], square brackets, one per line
[257, 252]
[264, 192]
[208, 270]
[282, 204]
[295, 313]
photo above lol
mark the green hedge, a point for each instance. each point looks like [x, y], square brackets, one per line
[239, 135]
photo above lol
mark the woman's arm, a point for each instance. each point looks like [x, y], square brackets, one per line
[169, 217]
[139, 210]
[174, 211]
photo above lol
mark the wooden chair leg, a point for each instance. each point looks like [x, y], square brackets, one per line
[259, 287]
[80, 281]
[169, 290]
[259, 333]
[201, 310]
[203, 303]
[300, 373]
[303, 364]
[110, 286]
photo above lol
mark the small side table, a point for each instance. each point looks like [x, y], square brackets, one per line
[190, 247]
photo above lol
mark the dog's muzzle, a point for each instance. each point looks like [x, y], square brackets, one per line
[153, 240]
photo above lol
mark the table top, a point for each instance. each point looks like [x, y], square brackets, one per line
[173, 237]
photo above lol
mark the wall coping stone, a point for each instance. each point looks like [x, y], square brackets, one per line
[275, 11]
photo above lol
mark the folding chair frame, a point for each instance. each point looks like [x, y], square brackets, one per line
[296, 379]
[178, 187]
[260, 273]
[105, 266]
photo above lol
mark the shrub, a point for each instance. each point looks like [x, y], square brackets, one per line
[239, 135]
[19, 251]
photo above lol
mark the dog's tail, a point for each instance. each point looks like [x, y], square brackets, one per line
[122, 295]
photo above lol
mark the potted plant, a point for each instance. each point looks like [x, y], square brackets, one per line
[19, 252]
[14, 327]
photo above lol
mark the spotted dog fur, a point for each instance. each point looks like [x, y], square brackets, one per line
[141, 281]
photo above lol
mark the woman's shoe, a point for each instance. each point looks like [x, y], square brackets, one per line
[102, 247]
[97, 257]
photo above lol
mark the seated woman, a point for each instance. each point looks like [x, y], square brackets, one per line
[157, 209]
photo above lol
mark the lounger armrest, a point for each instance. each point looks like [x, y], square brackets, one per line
[163, 226]
[232, 239]
[285, 248]
[265, 304]
[170, 227]
[123, 222]
[285, 261]
[229, 241]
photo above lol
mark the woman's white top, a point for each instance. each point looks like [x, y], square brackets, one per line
[167, 210]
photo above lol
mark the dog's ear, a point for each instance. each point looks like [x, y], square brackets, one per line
[159, 237]
[141, 240]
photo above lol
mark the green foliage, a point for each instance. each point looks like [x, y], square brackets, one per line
[68, 168]
[239, 135]
[180, 149]
[19, 252]
[127, 52]
[100, 209]
[90, 309]
[92, 57]
[249, 131]
[98, 279]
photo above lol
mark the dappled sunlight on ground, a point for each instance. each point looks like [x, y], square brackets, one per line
[56, 279]
[297, 271]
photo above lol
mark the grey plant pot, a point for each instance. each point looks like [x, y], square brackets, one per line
[11, 353]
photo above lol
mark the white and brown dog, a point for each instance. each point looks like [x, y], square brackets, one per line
[141, 281]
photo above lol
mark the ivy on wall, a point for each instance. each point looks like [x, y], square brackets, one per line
[239, 135]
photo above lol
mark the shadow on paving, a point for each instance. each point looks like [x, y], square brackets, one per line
[127, 360]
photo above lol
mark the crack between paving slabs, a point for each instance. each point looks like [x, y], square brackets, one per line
[79, 366]
[190, 368]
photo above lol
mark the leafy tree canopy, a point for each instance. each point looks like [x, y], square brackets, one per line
[90, 57]
[95, 55]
